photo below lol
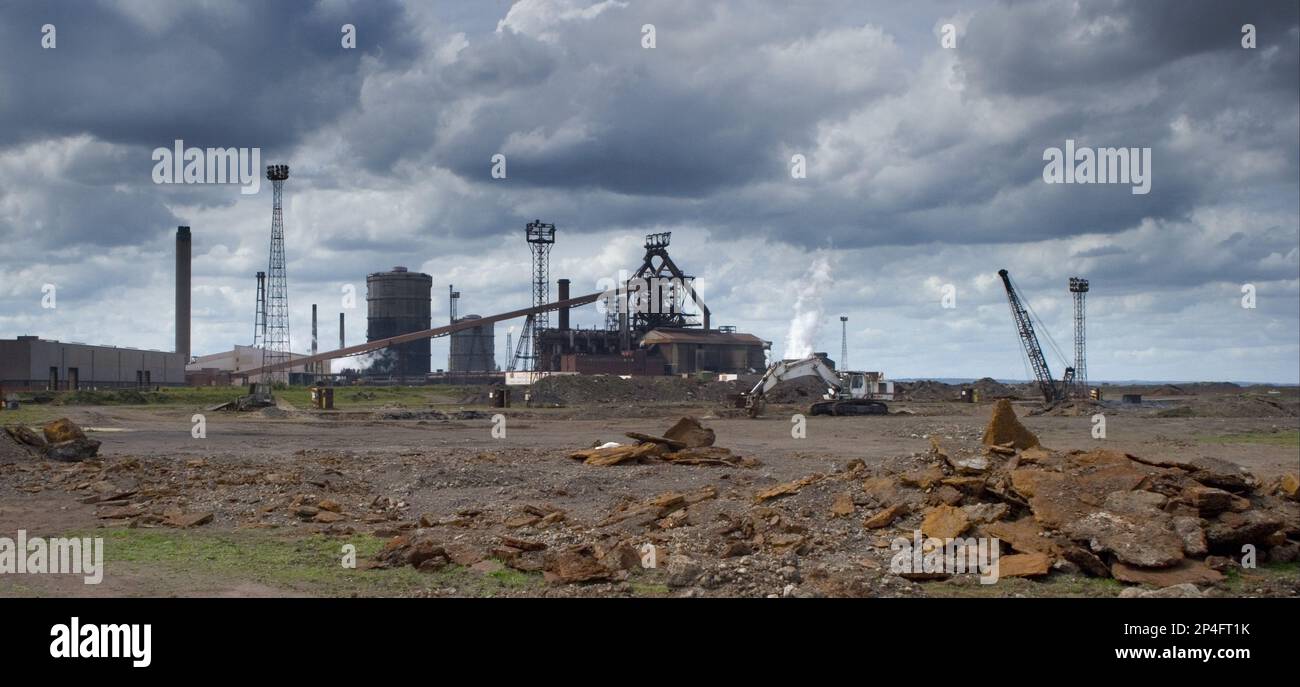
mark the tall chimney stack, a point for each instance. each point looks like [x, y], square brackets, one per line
[313, 329]
[183, 291]
[341, 344]
[564, 312]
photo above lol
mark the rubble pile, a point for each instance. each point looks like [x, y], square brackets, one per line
[926, 390]
[990, 389]
[687, 442]
[929, 390]
[1103, 512]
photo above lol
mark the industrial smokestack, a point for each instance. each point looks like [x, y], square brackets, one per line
[313, 329]
[341, 344]
[183, 291]
[564, 312]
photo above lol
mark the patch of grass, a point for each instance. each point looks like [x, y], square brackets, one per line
[509, 577]
[1286, 438]
[198, 560]
[309, 565]
[29, 415]
[1241, 581]
[649, 589]
[1055, 585]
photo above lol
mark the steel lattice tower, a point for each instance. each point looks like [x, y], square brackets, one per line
[1079, 287]
[277, 293]
[259, 315]
[844, 342]
[540, 236]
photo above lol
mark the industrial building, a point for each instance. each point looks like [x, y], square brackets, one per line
[649, 329]
[685, 350]
[217, 369]
[399, 302]
[30, 363]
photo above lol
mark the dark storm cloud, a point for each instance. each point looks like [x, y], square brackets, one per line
[579, 108]
[227, 74]
[1044, 46]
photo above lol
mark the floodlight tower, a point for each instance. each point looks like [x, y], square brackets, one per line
[1079, 287]
[277, 292]
[844, 342]
[541, 237]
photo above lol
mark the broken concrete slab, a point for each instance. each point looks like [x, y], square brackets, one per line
[786, 488]
[1088, 562]
[923, 478]
[1078, 487]
[1214, 472]
[884, 490]
[1208, 500]
[1193, 536]
[1024, 565]
[984, 513]
[1184, 572]
[615, 455]
[1233, 529]
[1024, 535]
[944, 522]
[1138, 541]
[574, 564]
[885, 517]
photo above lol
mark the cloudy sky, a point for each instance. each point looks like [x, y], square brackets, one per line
[924, 167]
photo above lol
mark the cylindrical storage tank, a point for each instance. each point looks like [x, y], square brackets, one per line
[398, 302]
[472, 350]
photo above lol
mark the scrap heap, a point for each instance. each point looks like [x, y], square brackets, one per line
[1108, 513]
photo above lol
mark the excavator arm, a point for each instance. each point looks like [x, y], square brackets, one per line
[793, 369]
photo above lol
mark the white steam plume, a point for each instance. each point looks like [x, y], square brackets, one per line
[808, 310]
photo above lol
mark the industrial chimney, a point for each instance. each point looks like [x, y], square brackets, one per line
[183, 292]
[564, 312]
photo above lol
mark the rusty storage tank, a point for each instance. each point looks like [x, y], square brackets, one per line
[473, 350]
[398, 302]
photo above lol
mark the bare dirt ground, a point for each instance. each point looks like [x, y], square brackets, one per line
[289, 490]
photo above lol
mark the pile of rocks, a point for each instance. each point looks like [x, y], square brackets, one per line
[1103, 512]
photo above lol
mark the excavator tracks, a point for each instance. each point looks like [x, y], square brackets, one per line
[856, 406]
